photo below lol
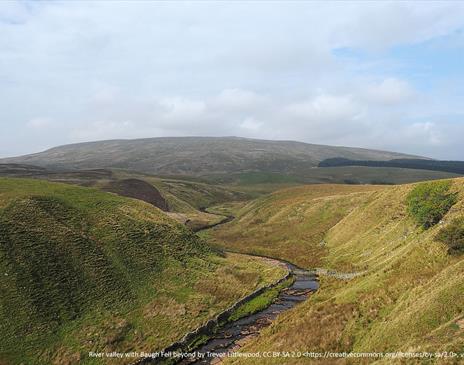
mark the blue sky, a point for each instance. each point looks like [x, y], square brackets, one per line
[385, 75]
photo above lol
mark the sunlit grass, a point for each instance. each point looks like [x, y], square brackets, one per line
[409, 299]
[83, 270]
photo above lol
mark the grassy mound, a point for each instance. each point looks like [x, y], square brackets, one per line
[83, 270]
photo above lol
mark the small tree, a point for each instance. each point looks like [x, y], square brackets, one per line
[429, 202]
[453, 236]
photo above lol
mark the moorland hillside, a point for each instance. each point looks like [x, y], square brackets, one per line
[84, 270]
[404, 245]
[197, 155]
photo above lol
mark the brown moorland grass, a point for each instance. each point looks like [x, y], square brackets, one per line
[410, 298]
[291, 224]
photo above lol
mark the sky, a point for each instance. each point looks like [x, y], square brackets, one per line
[383, 75]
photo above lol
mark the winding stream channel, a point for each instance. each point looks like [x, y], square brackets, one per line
[231, 335]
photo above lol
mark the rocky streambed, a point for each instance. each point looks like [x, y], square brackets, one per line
[219, 337]
[230, 336]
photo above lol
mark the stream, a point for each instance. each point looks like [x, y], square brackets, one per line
[231, 335]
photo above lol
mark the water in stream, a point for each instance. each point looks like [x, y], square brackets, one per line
[228, 337]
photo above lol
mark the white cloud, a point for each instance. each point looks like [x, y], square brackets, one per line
[105, 94]
[39, 123]
[381, 25]
[326, 108]
[237, 99]
[181, 110]
[250, 124]
[141, 69]
[426, 132]
[104, 130]
[390, 91]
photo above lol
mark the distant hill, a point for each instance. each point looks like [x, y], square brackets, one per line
[198, 156]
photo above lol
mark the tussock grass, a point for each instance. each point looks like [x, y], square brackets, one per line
[410, 298]
[260, 302]
[82, 270]
[291, 223]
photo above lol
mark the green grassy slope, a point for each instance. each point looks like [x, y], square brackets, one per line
[186, 194]
[182, 197]
[290, 224]
[410, 297]
[187, 199]
[82, 270]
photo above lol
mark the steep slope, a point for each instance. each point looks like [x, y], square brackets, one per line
[137, 189]
[291, 224]
[83, 270]
[183, 198]
[197, 155]
[408, 297]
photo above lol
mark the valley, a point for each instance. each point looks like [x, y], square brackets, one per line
[249, 319]
[84, 270]
[258, 182]
[408, 296]
[114, 260]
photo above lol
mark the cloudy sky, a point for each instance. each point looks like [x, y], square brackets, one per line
[385, 75]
